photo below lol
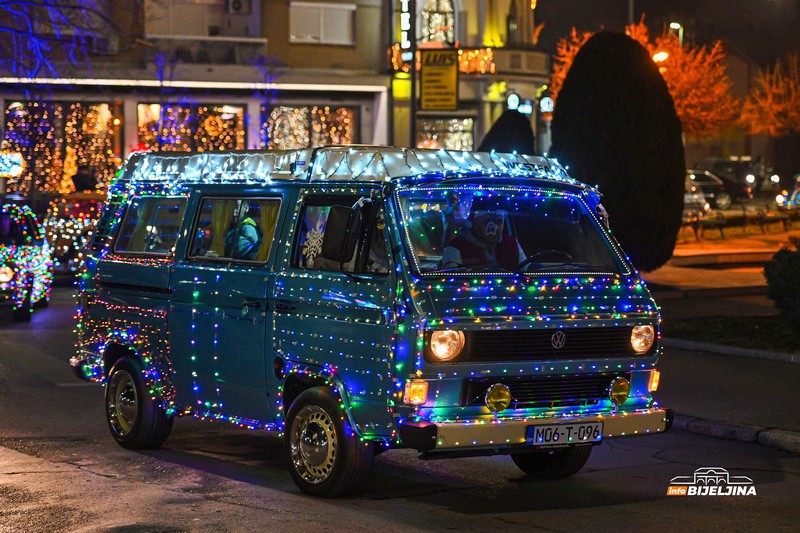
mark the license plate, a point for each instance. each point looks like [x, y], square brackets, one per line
[553, 435]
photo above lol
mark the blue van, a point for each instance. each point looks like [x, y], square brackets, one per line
[359, 299]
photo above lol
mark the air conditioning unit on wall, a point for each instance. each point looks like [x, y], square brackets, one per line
[238, 7]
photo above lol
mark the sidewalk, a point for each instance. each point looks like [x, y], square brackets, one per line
[724, 391]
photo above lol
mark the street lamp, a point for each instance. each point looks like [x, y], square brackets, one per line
[678, 27]
[660, 57]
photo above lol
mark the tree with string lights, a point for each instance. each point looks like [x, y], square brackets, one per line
[695, 76]
[773, 105]
[37, 36]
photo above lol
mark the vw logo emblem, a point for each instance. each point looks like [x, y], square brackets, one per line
[558, 340]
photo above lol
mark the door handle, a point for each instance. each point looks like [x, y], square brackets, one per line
[252, 304]
[284, 307]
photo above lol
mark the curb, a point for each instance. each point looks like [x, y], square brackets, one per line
[780, 439]
[681, 344]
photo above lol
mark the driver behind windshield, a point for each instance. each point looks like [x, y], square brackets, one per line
[483, 241]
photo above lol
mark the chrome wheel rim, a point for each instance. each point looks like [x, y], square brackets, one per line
[313, 444]
[122, 403]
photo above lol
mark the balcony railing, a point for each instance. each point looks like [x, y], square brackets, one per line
[209, 50]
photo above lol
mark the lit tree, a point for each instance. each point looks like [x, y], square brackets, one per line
[773, 106]
[35, 35]
[695, 77]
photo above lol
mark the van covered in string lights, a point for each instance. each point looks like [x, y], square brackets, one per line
[359, 299]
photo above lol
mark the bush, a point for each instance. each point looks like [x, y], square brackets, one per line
[783, 284]
[615, 126]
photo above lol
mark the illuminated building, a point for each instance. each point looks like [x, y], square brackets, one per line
[214, 74]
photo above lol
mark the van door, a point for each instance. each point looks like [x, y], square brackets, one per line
[219, 321]
[340, 322]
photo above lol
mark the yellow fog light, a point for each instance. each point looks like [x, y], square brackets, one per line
[655, 377]
[447, 344]
[619, 390]
[642, 338]
[498, 397]
[416, 392]
[6, 274]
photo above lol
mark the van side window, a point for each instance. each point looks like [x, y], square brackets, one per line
[374, 257]
[150, 225]
[235, 228]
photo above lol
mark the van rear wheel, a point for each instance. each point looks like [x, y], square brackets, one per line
[325, 456]
[553, 464]
[136, 420]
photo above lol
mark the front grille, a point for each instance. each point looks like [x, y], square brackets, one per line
[544, 391]
[537, 344]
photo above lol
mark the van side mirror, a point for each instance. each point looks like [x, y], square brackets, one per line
[341, 233]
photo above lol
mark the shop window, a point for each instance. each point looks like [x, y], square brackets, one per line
[294, 127]
[191, 127]
[59, 139]
[322, 23]
[447, 133]
[438, 21]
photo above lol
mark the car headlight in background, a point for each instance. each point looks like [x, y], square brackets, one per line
[750, 178]
[446, 344]
[6, 274]
[775, 178]
[642, 338]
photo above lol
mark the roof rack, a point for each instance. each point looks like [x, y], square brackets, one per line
[335, 163]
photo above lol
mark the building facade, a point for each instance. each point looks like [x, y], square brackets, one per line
[179, 75]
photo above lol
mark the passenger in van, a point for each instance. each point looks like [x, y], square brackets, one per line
[244, 239]
[483, 241]
[378, 257]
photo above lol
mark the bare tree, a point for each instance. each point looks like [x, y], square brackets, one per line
[37, 35]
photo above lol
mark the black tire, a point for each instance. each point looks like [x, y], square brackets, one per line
[723, 201]
[23, 312]
[553, 464]
[135, 419]
[325, 456]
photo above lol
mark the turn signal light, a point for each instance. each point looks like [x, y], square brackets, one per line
[416, 392]
[655, 377]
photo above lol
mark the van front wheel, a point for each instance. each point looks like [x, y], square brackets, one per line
[136, 420]
[553, 464]
[325, 456]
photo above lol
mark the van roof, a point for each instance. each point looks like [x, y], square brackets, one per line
[336, 163]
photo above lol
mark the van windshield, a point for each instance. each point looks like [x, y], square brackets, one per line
[479, 230]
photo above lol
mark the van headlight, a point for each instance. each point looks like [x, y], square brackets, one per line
[642, 338]
[6, 274]
[446, 344]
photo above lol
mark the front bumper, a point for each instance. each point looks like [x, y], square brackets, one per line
[494, 434]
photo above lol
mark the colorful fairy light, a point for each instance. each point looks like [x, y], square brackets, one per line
[25, 259]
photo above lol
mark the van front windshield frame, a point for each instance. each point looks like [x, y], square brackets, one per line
[478, 230]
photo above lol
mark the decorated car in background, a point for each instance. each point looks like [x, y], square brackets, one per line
[26, 273]
[68, 226]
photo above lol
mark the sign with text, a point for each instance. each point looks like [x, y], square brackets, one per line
[439, 80]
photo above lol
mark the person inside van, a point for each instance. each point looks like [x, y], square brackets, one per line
[483, 241]
[244, 239]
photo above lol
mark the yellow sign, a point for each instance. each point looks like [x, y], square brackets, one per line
[439, 80]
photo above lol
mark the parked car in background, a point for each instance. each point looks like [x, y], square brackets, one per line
[25, 266]
[694, 201]
[713, 188]
[68, 226]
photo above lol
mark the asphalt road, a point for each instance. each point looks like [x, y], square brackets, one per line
[61, 471]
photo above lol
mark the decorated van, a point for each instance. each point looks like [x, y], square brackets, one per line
[354, 300]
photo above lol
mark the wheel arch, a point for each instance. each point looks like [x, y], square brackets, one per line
[301, 378]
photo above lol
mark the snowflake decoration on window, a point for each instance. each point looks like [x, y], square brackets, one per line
[313, 246]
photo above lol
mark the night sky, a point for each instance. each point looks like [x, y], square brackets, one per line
[758, 30]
